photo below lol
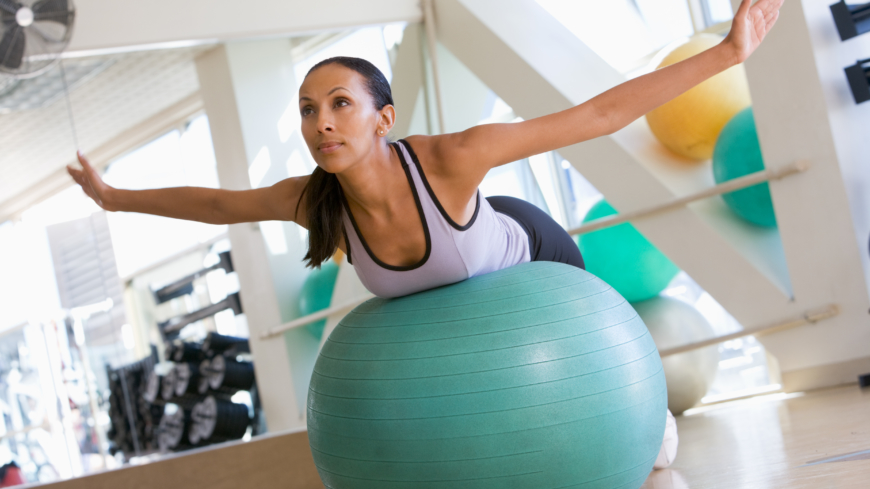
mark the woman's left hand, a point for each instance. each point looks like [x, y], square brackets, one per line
[750, 25]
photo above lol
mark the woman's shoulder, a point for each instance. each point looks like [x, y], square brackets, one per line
[431, 153]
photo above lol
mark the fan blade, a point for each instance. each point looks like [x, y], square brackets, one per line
[9, 6]
[53, 10]
[12, 48]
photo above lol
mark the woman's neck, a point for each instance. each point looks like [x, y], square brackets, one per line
[373, 182]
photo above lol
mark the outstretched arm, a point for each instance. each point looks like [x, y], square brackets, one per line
[471, 153]
[209, 205]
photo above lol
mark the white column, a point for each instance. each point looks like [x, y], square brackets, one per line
[247, 89]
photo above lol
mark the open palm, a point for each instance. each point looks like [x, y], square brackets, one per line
[751, 24]
[90, 181]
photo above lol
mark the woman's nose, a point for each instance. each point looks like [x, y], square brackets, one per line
[325, 124]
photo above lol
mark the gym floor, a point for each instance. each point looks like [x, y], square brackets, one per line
[818, 439]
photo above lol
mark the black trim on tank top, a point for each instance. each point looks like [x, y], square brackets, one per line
[346, 240]
[419, 212]
[434, 198]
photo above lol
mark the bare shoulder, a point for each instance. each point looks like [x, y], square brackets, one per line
[438, 155]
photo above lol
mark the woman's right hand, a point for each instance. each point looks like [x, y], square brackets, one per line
[91, 182]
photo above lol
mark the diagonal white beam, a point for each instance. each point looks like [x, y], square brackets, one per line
[538, 67]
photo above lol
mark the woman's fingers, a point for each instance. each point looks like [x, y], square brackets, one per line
[84, 178]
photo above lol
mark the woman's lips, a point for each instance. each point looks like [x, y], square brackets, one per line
[329, 147]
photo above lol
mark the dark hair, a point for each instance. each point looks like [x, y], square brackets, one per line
[322, 194]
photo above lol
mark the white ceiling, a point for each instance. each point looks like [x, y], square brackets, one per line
[37, 143]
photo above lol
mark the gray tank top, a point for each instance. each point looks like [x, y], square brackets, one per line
[489, 242]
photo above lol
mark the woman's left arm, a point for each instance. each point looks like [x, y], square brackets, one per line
[478, 149]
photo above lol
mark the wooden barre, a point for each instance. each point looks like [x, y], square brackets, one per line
[722, 188]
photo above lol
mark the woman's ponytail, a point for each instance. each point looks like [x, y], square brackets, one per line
[322, 197]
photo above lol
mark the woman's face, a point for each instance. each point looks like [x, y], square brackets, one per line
[339, 121]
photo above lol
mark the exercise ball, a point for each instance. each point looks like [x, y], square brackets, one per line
[623, 258]
[690, 124]
[535, 376]
[673, 323]
[738, 153]
[316, 294]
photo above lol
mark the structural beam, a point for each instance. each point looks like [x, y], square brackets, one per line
[112, 25]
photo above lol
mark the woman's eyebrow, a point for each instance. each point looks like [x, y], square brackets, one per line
[330, 93]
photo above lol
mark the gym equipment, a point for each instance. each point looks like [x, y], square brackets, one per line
[859, 80]
[218, 343]
[230, 374]
[174, 431]
[167, 387]
[187, 376]
[216, 420]
[539, 375]
[184, 352]
[133, 418]
[184, 286]
[623, 258]
[316, 294]
[690, 124]
[171, 327]
[738, 153]
[672, 322]
[852, 20]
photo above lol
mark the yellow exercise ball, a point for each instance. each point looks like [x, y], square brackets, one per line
[690, 124]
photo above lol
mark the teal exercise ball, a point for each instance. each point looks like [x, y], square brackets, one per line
[316, 294]
[623, 258]
[673, 323]
[536, 376]
[738, 153]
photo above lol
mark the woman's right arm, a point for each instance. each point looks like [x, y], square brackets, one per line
[209, 205]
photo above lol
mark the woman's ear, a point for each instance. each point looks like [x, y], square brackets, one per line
[387, 119]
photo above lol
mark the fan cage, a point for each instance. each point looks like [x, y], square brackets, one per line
[29, 50]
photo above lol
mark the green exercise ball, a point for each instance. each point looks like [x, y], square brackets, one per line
[623, 258]
[535, 376]
[738, 153]
[673, 323]
[316, 294]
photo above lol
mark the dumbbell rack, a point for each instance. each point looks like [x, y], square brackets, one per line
[198, 390]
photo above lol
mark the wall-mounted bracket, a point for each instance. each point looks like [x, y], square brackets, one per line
[852, 20]
[859, 80]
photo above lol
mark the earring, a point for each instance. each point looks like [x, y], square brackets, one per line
[381, 132]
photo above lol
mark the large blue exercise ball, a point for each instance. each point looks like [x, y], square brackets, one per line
[316, 294]
[738, 153]
[624, 258]
[536, 376]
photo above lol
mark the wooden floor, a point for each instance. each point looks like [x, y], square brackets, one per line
[777, 441]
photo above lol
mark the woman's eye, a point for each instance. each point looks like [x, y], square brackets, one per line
[306, 110]
[341, 103]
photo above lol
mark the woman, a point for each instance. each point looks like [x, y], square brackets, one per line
[409, 214]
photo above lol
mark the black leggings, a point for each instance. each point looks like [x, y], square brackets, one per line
[548, 241]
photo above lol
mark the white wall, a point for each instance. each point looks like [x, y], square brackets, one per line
[850, 122]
